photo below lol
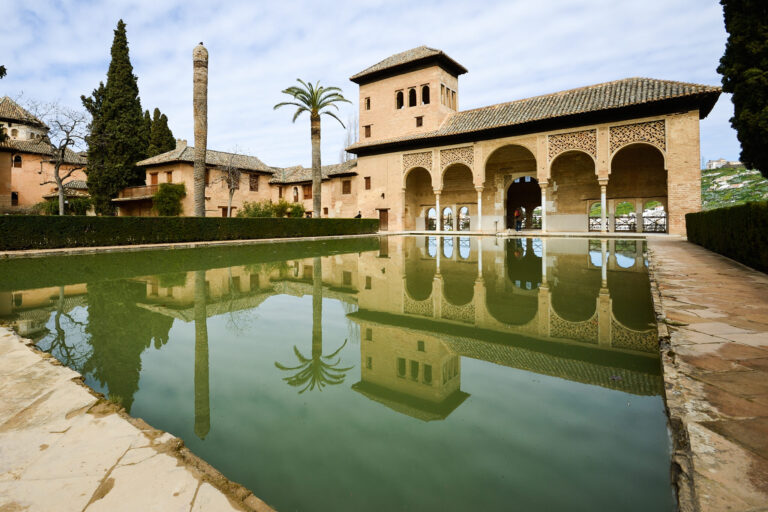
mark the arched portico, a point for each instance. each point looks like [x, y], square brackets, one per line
[419, 198]
[523, 193]
[575, 188]
[502, 167]
[638, 178]
[457, 191]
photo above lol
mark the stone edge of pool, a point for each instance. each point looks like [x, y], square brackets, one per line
[65, 447]
[710, 471]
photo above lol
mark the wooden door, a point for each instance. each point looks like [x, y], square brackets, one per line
[383, 219]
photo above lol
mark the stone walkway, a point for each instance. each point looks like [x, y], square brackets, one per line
[63, 449]
[715, 360]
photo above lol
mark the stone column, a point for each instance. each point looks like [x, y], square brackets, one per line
[603, 206]
[200, 114]
[544, 209]
[480, 258]
[479, 209]
[639, 215]
[604, 259]
[543, 261]
[439, 219]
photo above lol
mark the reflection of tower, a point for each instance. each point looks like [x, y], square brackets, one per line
[202, 390]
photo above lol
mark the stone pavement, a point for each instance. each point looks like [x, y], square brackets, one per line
[715, 357]
[63, 448]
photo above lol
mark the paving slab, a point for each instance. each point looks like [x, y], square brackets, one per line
[63, 447]
[714, 323]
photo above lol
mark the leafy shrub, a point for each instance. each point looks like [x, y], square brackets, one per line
[739, 232]
[167, 199]
[41, 232]
[72, 206]
[282, 208]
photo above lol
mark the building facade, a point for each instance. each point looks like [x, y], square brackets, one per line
[622, 155]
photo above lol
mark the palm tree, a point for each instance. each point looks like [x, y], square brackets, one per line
[316, 100]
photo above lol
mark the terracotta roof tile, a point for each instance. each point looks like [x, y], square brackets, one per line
[41, 147]
[12, 111]
[184, 153]
[406, 57]
[299, 174]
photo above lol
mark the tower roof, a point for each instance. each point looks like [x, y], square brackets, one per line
[12, 111]
[414, 58]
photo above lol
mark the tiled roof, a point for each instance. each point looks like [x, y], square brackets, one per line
[594, 98]
[184, 153]
[76, 185]
[12, 111]
[41, 147]
[407, 57]
[299, 174]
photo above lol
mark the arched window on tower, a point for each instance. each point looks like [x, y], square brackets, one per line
[412, 97]
[14, 133]
[425, 95]
[17, 161]
[399, 100]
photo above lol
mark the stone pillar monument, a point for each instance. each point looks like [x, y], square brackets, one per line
[200, 104]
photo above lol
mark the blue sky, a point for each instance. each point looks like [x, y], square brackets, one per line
[58, 50]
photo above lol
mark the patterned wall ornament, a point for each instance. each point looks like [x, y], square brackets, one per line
[423, 159]
[651, 132]
[465, 313]
[585, 140]
[418, 307]
[465, 155]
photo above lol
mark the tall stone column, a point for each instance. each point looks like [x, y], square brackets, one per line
[639, 215]
[603, 206]
[200, 114]
[604, 259]
[439, 214]
[544, 209]
[479, 208]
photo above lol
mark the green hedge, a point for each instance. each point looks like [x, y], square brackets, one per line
[41, 232]
[739, 232]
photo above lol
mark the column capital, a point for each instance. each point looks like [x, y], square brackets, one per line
[437, 191]
[479, 188]
[603, 182]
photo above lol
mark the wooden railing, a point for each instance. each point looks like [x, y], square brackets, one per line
[142, 191]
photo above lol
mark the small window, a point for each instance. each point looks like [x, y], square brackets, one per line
[419, 121]
[308, 269]
[153, 179]
[453, 100]
[368, 103]
[18, 301]
[400, 367]
[14, 133]
[411, 97]
[346, 187]
[346, 278]
[253, 182]
[307, 191]
[207, 177]
[169, 177]
[442, 94]
[17, 161]
[367, 129]
[325, 210]
[279, 192]
[367, 183]
[368, 334]
[399, 100]
[14, 199]
[254, 278]
[367, 282]
[425, 95]
[295, 194]
[427, 374]
[420, 346]
[369, 363]
[415, 370]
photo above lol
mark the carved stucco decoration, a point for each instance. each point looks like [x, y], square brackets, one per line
[624, 337]
[418, 307]
[651, 132]
[465, 313]
[585, 140]
[423, 159]
[465, 155]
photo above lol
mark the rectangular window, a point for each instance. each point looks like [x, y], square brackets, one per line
[154, 289]
[415, 370]
[346, 278]
[169, 177]
[308, 271]
[153, 178]
[253, 182]
[279, 192]
[369, 363]
[235, 284]
[369, 334]
[367, 103]
[346, 187]
[207, 177]
[400, 367]
[442, 94]
[427, 374]
[14, 199]
[254, 282]
[419, 121]
[367, 282]
[367, 130]
[367, 183]
[453, 100]
[307, 191]
[325, 210]
[420, 346]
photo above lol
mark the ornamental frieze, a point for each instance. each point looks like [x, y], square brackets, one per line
[651, 132]
[585, 140]
[465, 155]
[411, 160]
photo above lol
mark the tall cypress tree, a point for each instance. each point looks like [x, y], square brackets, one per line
[146, 133]
[112, 157]
[744, 67]
[161, 138]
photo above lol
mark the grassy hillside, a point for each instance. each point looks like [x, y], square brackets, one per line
[729, 186]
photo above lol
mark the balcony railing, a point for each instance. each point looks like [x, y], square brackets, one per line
[136, 192]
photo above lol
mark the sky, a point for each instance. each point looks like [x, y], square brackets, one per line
[56, 50]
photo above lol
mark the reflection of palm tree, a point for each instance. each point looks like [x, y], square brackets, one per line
[202, 401]
[317, 371]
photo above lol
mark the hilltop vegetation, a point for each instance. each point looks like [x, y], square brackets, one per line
[729, 186]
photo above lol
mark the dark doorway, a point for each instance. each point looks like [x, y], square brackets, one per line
[383, 220]
[524, 193]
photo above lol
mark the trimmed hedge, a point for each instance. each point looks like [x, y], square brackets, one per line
[41, 232]
[739, 232]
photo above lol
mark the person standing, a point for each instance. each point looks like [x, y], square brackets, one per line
[518, 219]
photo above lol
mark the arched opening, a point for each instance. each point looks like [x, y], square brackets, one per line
[419, 268]
[431, 220]
[399, 100]
[446, 223]
[295, 194]
[463, 220]
[575, 287]
[625, 218]
[654, 217]
[448, 247]
[536, 218]
[595, 216]
[457, 192]
[625, 252]
[17, 161]
[574, 189]
[465, 248]
[523, 194]
[502, 165]
[411, 97]
[14, 133]
[458, 277]
[419, 200]
[638, 176]
[425, 95]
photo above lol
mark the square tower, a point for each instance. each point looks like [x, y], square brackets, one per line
[408, 93]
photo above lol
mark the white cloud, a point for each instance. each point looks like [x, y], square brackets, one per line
[513, 49]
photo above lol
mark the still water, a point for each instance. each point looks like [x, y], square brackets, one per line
[401, 373]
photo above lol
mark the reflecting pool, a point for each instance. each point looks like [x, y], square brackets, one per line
[393, 373]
